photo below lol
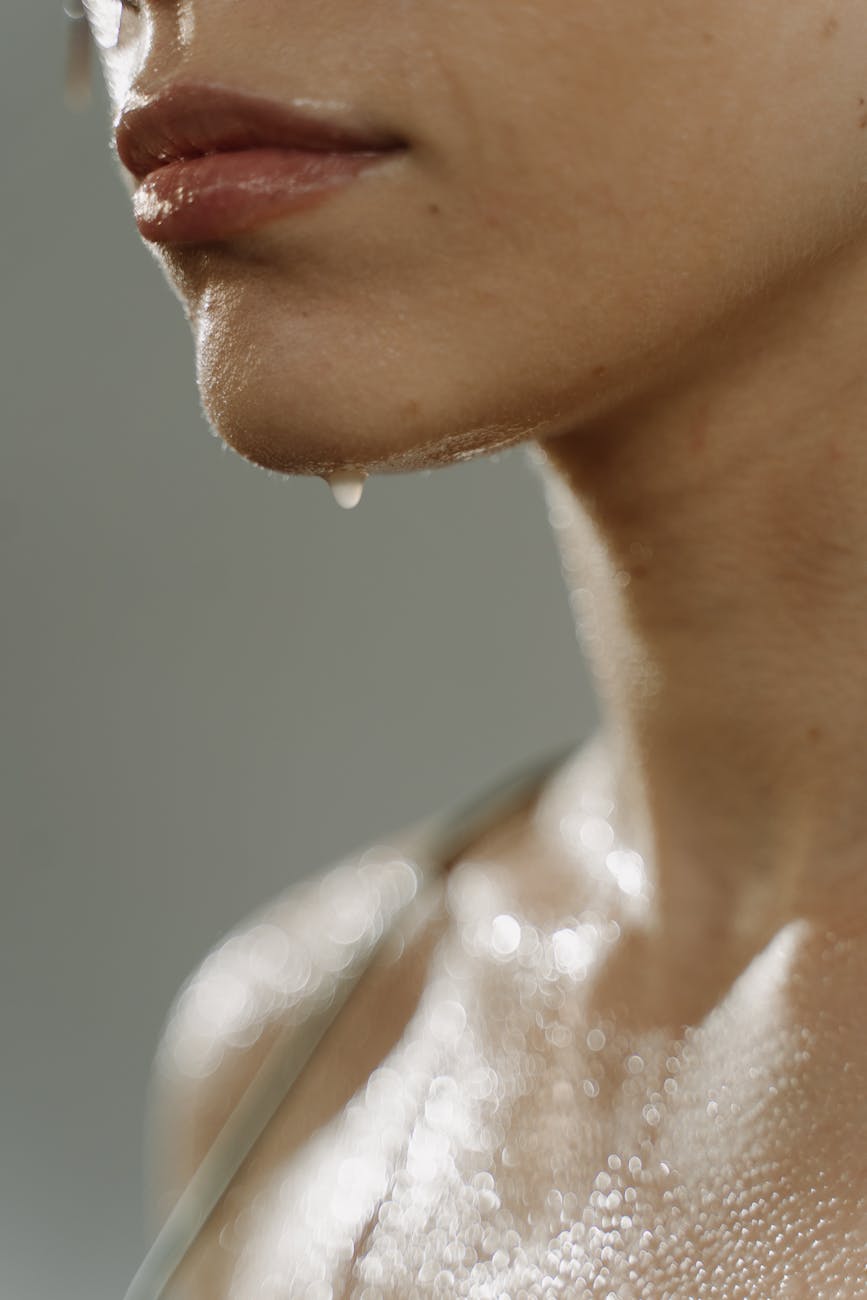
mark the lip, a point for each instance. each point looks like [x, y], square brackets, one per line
[188, 119]
[213, 161]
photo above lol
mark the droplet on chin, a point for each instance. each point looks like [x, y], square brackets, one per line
[346, 486]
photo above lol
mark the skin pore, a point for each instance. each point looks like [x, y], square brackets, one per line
[632, 235]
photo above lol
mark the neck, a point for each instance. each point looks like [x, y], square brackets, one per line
[714, 540]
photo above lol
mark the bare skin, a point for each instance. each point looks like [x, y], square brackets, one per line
[633, 238]
[721, 1108]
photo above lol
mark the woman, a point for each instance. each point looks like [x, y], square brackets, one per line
[624, 1054]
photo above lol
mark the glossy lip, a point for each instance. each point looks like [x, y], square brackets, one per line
[220, 195]
[189, 119]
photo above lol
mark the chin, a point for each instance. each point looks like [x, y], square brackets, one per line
[307, 368]
[305, 408]
[293, 441]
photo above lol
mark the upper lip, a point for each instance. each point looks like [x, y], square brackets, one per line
[188, 119]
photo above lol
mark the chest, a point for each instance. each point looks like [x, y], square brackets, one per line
[517, 1140]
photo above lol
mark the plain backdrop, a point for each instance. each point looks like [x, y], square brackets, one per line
[214, 681]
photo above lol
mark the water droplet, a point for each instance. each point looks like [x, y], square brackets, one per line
[346, 486]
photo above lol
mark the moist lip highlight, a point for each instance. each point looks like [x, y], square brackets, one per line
[216, 196]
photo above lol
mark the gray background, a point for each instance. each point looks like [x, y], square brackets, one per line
[214, 681]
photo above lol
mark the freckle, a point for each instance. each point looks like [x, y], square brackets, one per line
[835, 451]
[598, 370]
[638, 570]
[433, 207]
[813, 733]
[861, 100]
[708, 38]
[862, 121]
[410, 408]
[831, 26]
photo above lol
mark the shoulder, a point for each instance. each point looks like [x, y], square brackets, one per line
[266, 974]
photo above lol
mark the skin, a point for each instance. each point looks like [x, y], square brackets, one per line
[633, 237]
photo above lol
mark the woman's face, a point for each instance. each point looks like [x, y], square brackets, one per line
[593, 190]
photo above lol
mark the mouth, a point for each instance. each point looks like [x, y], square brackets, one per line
[211, 162]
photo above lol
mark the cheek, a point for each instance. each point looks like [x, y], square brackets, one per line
[641, 172]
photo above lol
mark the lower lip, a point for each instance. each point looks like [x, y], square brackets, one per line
[219, 195]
